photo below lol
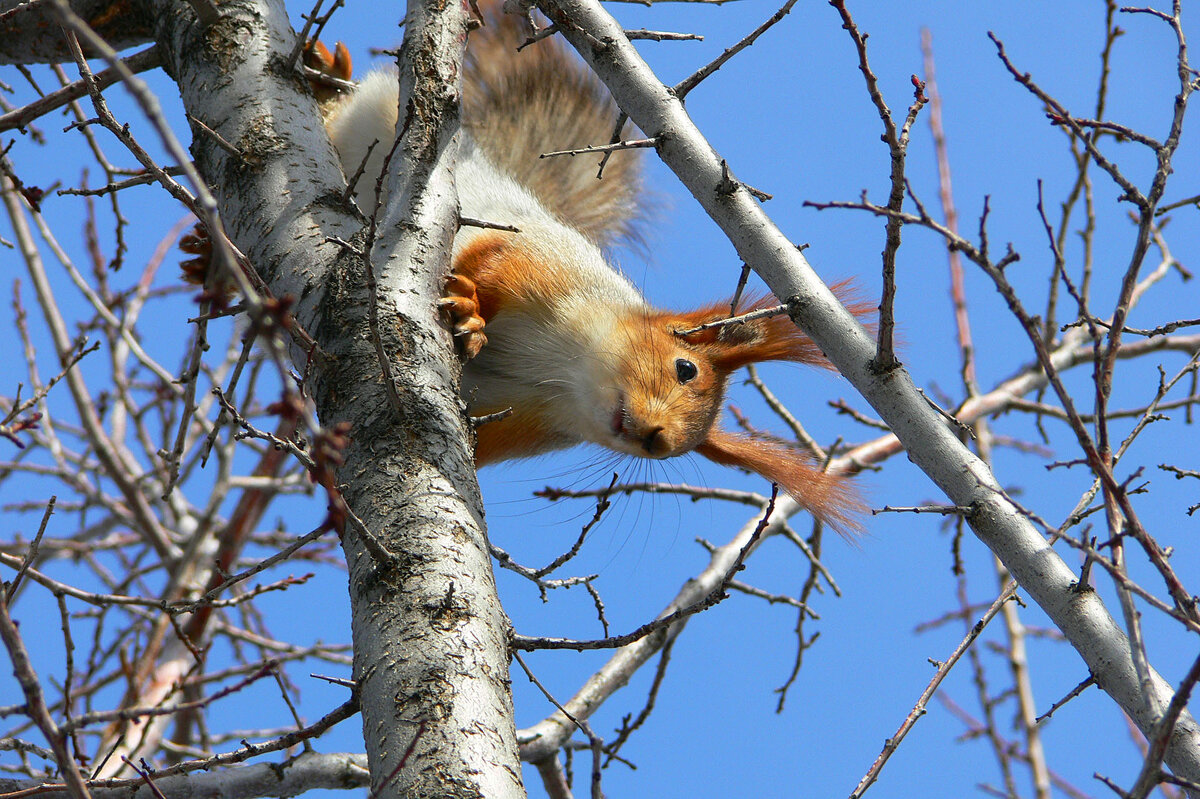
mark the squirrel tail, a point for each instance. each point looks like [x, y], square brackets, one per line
[831, 499]
[518, 105]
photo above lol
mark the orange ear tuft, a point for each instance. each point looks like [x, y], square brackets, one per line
[831, 499]
[774, 338]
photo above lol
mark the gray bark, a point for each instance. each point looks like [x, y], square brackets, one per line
[32, 34]
[931, 445]
[306, 772]
[430, 639]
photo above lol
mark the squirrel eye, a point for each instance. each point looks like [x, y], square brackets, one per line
[685, 370]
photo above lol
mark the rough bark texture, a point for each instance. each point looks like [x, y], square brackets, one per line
[279, 200]
[430, 638]
[966, 480]
[305, 772]
[32, 35]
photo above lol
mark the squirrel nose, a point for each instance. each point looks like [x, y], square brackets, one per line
[652, 441]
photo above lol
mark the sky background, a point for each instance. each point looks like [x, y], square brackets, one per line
[792, 118]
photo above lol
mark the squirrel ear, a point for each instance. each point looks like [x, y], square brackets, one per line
[773, 338]
[831, 499]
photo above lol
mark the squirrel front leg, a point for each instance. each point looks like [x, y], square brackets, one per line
[521, 430]
[501, 277]
[490, 271]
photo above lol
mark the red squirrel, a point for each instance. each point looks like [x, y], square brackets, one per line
[548, 327]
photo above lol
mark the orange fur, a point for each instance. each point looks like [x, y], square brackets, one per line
[506, 274]
[515, 436]
[335, 65]
[655, 411]
[774, 338]
[825, 496]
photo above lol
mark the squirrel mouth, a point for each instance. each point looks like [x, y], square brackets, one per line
[626, 429]
[618, 418]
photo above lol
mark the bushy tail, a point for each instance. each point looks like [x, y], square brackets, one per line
[520, 104]
[831, 499]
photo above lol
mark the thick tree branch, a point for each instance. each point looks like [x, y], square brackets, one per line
[30, 34]
[429, 637]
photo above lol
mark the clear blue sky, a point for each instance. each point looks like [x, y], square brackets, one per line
[792, 117]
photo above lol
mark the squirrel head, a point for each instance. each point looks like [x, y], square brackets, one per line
[668, 391]
[671, 384]
[673, 370]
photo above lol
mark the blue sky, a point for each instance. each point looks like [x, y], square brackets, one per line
[793, 119]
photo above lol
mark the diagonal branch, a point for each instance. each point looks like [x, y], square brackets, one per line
[1082, 617]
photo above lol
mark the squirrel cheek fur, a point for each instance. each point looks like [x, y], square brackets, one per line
[549, 328]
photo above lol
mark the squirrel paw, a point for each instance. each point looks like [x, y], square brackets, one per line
[330, 70]
[461, 304]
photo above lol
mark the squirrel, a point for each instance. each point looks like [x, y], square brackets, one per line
[548, 328]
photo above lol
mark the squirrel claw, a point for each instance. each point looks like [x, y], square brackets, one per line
[472, 343]
[461, 305]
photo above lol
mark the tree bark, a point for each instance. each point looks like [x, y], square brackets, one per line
[32, 35]
[430, 638]
[308, 771]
